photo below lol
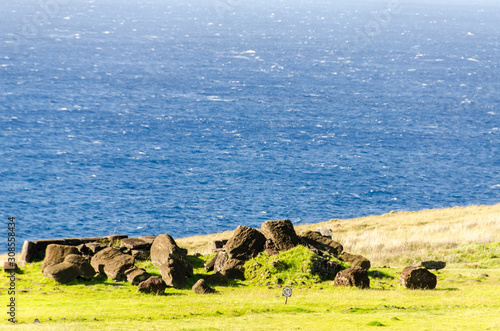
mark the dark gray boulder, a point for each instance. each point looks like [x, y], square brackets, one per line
[55, 254]
[355, 260]
[113, 263]
[217, 279]
[135, 275]
[435, 265]
[354, 276]
[64, 272]
[140, 254]
[201, 287]
[172, 261]
[153, 284]
[234, 269]
[134, 243]
[316, 241]
[324, 268]
[85, 270]
[281, 233]
[245, 243]
[218, 245]
[416, 278]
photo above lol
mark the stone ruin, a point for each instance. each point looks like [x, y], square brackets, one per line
[65, 260]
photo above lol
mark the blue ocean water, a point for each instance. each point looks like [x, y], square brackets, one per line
[149, 117]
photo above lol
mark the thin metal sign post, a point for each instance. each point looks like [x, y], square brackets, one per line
[287, 292]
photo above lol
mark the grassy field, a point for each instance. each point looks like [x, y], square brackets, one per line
[467, 296]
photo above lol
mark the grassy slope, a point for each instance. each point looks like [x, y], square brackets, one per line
[466, 297]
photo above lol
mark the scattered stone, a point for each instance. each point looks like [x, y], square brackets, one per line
[134, 243]
[355, 276]
[172, 261]
[210, 265]
[282, 234]
[270, 248]
[113, 263]
[153, 284]
[10, 267]
[140, 254]
[317, 241]
[220, 259]
[148, 239]
[95, 247]
[217, 278]
[55, 254]
[325, 269]
[136, 275]
[233, 269]
[325, 232]
[201, 287]
[413, 278]
[245, 243]
[436, 265]
[64, 272]
[85, 270]
[116, 237]
[218, 245]
[355, 260]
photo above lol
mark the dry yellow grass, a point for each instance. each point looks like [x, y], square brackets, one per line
[400, 237]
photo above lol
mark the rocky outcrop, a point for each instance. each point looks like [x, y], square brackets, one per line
[201, 287]
[113, 263]
[153, 284]
[355, 260]
[354, 276]
[413, 278]
[172, 261]
[83, 266]
[318, 242]
[281, 233]
[55, 254]
[245, 243]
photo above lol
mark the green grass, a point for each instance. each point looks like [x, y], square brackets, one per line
[465, 298]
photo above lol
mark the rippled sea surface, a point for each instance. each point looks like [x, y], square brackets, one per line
[149, 117]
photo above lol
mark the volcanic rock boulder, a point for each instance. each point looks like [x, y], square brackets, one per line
[417, 278]
[113, 263]
[270, 248]
[217, 278]
[281, 233]
[325, 232]
[55, 254]
[218, 245]
[245, 243]
[201, 287]
[234, 269]
[325, 269]
[217, 262]
[85, 270]
[316, 241]
[355, 260]
[64, 272]
[140, 254]
[355, 276]
[436, 265]
[135, 275]
[153, 284]
[172, 261]
[134, 243]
